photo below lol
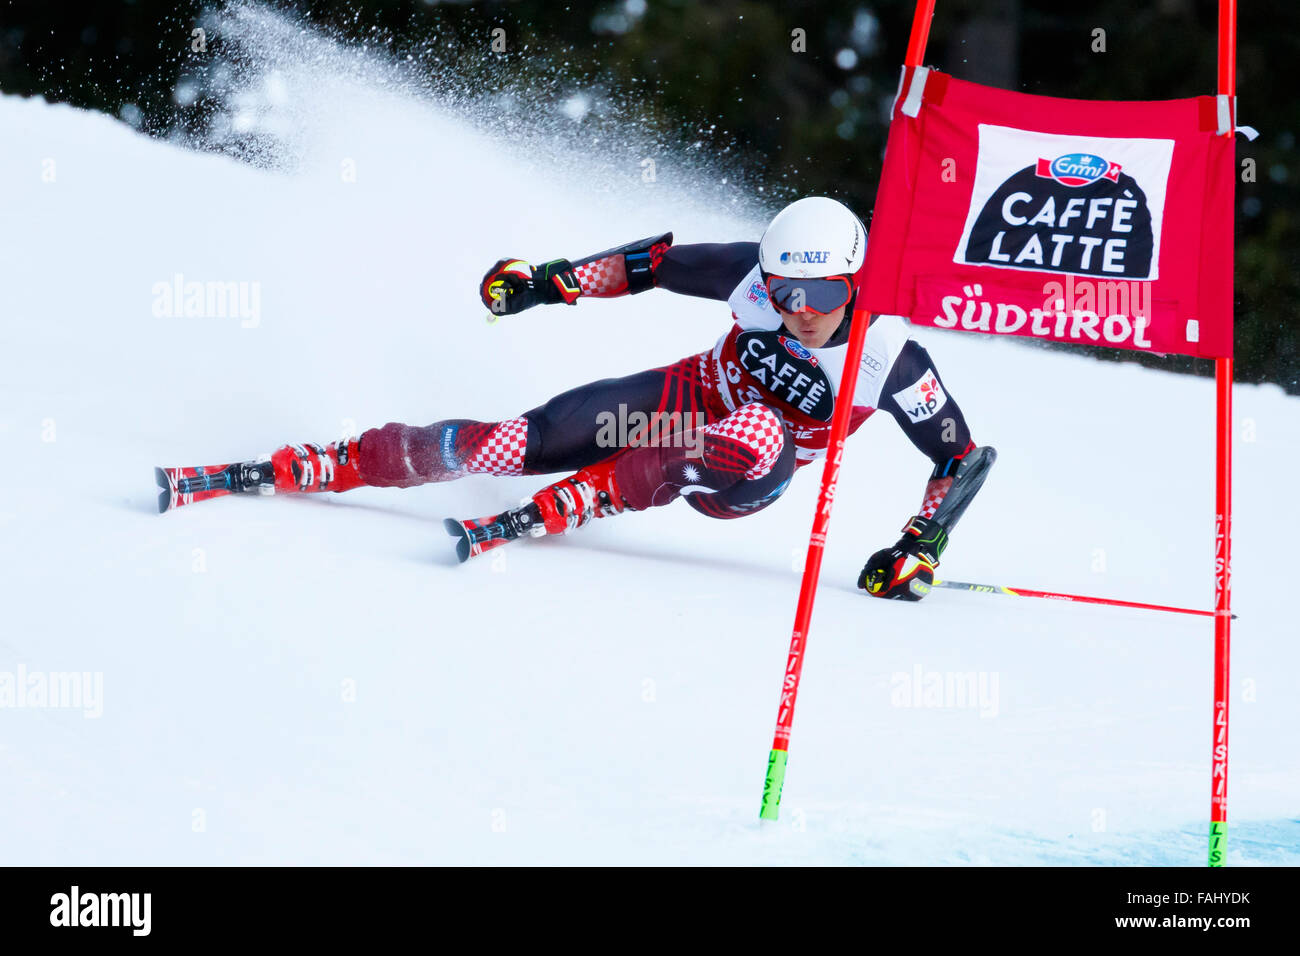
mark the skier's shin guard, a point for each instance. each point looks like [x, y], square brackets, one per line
[402, 456]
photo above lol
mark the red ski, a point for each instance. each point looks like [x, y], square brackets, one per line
[183, 486]
[476, 535]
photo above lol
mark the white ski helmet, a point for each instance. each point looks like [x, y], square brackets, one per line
[813, 237]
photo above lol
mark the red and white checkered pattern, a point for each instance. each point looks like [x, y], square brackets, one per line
[935, 492]
[757, 426]
[604, 277]
[502, 451]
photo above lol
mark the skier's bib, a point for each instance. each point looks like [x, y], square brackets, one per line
[759, 361]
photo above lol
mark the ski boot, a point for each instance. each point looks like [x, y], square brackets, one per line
[556, 509]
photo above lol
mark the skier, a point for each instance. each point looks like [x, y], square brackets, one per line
[725, 428]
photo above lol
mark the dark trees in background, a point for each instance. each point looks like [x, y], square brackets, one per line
[798, 90]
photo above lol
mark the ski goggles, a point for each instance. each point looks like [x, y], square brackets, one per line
[821, 295]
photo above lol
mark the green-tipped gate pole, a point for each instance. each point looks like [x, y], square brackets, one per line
[1218, 849]
[812, 568]
[776, 760]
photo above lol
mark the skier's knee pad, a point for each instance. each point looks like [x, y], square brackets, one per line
[754, 433]
[743, 449]
[763, 481]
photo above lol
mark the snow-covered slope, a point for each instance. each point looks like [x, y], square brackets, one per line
[313, 680]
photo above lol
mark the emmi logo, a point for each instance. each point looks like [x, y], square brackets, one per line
[1078, 169]
[102, 909]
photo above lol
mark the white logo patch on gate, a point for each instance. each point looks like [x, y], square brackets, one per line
[922, 398]
[1077, 205]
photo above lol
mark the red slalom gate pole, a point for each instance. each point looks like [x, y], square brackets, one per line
[776, 760]
[1222, 611]
[920, 32]
[1223, 504]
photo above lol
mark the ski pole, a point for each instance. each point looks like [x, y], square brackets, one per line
[1057, 596]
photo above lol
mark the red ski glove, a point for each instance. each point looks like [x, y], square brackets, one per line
[905, 572]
